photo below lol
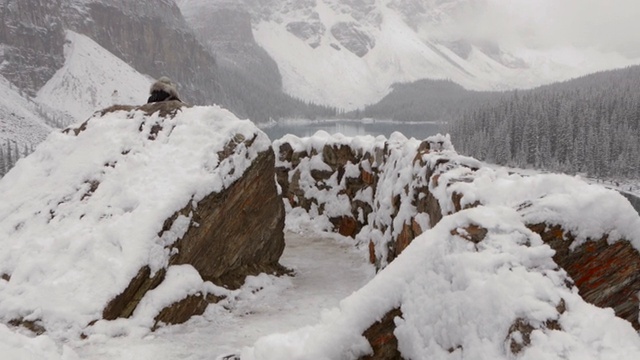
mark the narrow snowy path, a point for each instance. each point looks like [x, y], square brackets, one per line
[327, 270]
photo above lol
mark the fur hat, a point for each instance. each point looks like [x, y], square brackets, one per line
[163, 90]
[165, 84]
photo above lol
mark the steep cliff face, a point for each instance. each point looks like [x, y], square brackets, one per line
[153, 37]
[225, 28]
[31, 42]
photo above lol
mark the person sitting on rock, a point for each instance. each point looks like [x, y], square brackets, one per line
[163, 90]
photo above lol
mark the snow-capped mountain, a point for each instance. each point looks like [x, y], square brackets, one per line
[92, 79]
[347, 53]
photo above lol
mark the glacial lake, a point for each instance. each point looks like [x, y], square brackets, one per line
[305, 128]
[633, 199]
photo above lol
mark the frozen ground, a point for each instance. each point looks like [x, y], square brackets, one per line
[327, 269]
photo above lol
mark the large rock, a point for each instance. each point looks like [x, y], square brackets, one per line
[147, 213]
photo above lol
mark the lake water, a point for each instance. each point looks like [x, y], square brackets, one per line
[305, 128]
[633, 199]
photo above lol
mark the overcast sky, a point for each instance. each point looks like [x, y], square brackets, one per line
[605, 24]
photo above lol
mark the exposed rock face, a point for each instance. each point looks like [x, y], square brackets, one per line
[226, 30]
[353, 38]
[607, 275]
[31, 42]
[344, 179]
[309, 32]
[435, 182]
[225, 248]
[479, 282]
[199, 212]
[354, 186]
[461, 48]
[151, 36]
[358, 9]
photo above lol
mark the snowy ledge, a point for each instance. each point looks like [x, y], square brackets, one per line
[416, 204]
[126, 216]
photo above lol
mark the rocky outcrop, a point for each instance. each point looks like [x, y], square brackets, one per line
[387, 193]
[173, 206]
[248, 243]
[336, 185]
[361, 10]
[225, 29]
[223, 249]
[606, 274]
[309, 32]
[368, 189]
[353, 38]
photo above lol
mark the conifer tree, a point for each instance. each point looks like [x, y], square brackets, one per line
[2, 163]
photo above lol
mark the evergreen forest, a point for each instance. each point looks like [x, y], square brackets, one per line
[589, 125]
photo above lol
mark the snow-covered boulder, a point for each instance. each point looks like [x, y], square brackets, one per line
[141, 213]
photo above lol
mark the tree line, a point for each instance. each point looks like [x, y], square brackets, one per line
[589, 125]
[11, 152]
[424, 100]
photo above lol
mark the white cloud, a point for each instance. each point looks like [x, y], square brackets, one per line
[611, 25]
